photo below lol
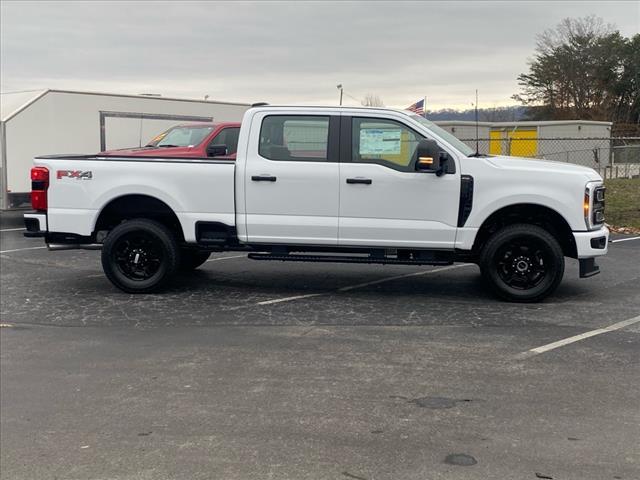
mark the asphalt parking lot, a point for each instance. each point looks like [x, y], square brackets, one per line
[249, 369]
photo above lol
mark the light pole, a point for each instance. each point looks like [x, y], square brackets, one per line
[339, 86]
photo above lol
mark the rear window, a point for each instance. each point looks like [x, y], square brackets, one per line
[294, 138]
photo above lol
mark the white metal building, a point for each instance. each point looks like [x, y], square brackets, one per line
[571, 141]
[58, 121]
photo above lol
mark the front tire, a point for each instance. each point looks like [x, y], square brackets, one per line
[190, 260]
[140, 256]
[522, 263]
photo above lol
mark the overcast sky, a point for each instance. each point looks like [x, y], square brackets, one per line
[286, 52]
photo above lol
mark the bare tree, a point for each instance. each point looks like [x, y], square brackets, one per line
[571, 31]
[372, 100]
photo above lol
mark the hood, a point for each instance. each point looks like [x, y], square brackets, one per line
[535, 165]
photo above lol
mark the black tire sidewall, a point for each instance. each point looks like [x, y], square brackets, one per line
[190, 259]
[165, 241]
[554, 253]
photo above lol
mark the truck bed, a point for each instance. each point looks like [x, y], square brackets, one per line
[196, 189]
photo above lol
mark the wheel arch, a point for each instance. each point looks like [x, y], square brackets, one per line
[530, 213]
[130, 206]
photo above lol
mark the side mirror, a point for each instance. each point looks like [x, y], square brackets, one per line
[216, 150]
[431, 158]
[444, 161]
[428, 156]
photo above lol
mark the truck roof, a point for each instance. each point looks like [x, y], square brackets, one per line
[334, 108]
[207, 124]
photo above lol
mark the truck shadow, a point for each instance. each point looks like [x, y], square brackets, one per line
[465, 286]
[329, 284]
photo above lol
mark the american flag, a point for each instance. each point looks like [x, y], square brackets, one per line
[417, 107]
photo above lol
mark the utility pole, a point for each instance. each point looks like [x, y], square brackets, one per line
[477, 140]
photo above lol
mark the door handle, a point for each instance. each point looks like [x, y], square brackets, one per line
[263, 178]
[365, 181]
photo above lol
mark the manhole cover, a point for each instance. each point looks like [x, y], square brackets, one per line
[460, 459]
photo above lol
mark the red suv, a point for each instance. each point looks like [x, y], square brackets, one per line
[200, 140]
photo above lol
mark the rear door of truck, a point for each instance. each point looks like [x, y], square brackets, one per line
[291, 178]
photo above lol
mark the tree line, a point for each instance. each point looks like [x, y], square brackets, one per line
[583, 69]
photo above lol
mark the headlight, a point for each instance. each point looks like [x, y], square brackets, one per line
[593, 205]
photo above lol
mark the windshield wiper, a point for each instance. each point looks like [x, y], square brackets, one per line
[168, 146]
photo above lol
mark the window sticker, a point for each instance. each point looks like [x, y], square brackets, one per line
[378, 141]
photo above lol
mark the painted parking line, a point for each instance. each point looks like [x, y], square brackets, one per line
[12, 229]
[577, 338]
[22, 249]
[289, 299]
[625, 239]
[225, 258]
[389, 279]
[361, 285]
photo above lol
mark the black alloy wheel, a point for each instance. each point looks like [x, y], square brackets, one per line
[522, 263]
[139, 256]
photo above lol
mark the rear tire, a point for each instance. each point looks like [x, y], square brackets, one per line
[522, 263]
[190, 259]
[140, 256]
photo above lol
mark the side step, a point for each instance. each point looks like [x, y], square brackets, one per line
[347, 259]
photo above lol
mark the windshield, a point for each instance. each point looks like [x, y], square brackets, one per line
[442, 133]
[181, 136]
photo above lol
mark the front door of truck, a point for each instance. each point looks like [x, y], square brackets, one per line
[384, 201]
[291, 180]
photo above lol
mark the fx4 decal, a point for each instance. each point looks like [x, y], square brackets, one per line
[77, 174]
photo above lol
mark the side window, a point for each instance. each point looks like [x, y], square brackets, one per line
[294, 137]
[228, 137]
[384, 142]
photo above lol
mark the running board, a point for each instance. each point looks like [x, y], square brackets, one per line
[346, 259]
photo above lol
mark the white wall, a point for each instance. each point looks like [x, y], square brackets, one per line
[591, 150]
[62, 122]
[466, 132]
[3, 187]
[574, 130]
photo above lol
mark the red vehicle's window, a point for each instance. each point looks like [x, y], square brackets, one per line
[228, 137]
[181, 137]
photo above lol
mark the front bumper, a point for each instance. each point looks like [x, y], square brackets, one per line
[36, 224]
[591, 244]
[588, 246]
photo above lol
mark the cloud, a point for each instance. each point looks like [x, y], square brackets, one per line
[284, 52]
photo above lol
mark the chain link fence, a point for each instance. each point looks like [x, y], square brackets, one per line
[613, 157]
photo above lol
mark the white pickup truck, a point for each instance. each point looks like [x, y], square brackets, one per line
[327, 184]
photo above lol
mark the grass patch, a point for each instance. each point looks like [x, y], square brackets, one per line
[623, 202]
